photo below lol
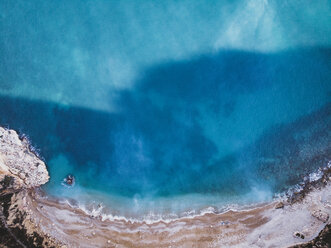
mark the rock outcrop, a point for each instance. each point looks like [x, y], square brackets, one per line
[321, 215]
[21, 170]
[20, 167]
[323, 240]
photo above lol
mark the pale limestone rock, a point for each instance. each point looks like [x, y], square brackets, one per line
[321, 215]
[20, 168]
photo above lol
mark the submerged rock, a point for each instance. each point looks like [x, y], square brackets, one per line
[69, 181]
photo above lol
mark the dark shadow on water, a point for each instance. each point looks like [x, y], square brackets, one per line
[156, 143]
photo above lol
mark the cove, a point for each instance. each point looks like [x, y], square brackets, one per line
[158, 145]
[166, 108]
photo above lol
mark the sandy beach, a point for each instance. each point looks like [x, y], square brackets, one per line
[263, 226]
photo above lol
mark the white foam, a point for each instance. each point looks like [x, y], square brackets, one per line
[312, 177]
[102, 211]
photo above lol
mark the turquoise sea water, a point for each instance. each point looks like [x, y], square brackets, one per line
[172, 106]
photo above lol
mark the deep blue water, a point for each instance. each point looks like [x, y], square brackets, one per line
[169, 106]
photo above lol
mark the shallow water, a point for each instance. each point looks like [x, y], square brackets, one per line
[161, 108]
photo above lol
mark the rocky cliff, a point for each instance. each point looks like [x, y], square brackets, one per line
[20, 168]
[20, 171]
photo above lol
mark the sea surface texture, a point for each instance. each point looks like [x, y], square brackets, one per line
[166, 108]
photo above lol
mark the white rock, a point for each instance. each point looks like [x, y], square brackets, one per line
[19, 166]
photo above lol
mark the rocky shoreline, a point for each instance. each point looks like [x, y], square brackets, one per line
[28, 219]
[21, 170]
